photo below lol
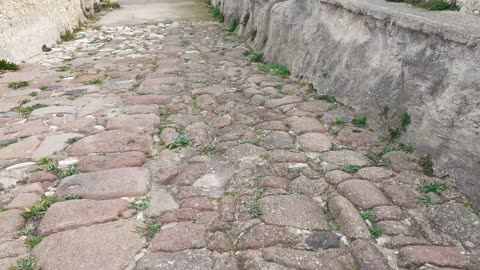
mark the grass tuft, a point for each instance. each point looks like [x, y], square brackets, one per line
[368, 215]
[27, 263]
[376, 232]
[141, 204]
[39, 208]
[32, 241]
[150, 230]
[435, 187]
[427, 165]
[233, 25]
[279, 70]
[5, 65]
[18, 85]
[360, 121]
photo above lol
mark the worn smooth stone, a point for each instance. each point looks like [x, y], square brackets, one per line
[105, 162]
[161, 201]
[297, 211]
[278, 140]
[261, 236]
[367, 256]
[362, 193]
[315, 142]
[11, 221]
[72, 214]
[196, 259]
[181, 236]
[110, 142]
[322, 240]
[351, 224]
[110, 184]
[147, 100]
[301, 125]
[338, 159]
[375, 174]
[412, 257]
[134, 122]
[109, 246]
[23, 200]
[20, 149]
[298, 259]
[54, 110]
[52, 144]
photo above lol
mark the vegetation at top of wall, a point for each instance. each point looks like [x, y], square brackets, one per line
[217, 14]
[107, 4]
[434, 5]
[5, 65]
[246, 18]
[233, 25]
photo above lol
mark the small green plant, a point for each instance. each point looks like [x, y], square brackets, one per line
[44, 161]
[253, 33]
[209, 148]
[246, 18]
[279, 70]
[374, 156]
[389, 148]
[39, 208]
[43, 88]
[95, 82]
[405, 148]
[376, 232]
[233, 25]
[351, 168]
[26, 111]
[150, 230]
[70, 197]
[339, 122]
[255, 210]
[73, 140]
[427, 165]
[256, 58]
[141, 205]
[360, 121]
[5, 65]
[106, 4]
[17, 85]
[435, 187]
[32, 241]
[325, 97]
[67, 36]
[332, 222]
[405, 120]
[2, 187]
[2, 208]
[278, 86]
[262, 102]
[63, 69]
[28, 230]
[438, 5]
[180, 141]
[368, 215]
[248, 52]
[217, 14]
[27, 263]
[336, 147]
[33, 94]
[426, 200]
[72, 170]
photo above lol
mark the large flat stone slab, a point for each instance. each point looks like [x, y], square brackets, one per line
[72, 214]
[297, 211]
[182, 236]
[20, 149]
[109, 246]
[110, 142]
[362, 193]
[52, 144]
[197, 259]
[11, 221]
[135, 123]
[110, 184]
[94, 163]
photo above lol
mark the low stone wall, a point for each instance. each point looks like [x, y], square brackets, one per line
[26, 25]
[384, 59]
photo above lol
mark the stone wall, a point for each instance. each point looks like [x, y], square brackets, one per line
[379, 57]
[26, 25]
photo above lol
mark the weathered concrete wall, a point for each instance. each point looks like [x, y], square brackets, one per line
[371, 54]
[26, 25]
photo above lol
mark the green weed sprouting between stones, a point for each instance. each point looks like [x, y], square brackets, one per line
[360, 121]
[338, 122]
[180, 141]
[405, 120]
[434, 186]
[5, 65]
[26, 111]
[39, 208]
[325, 97]
[44, 161]
[426, 200]
[32, 241]
[18, 85]
[150, 230]
[368, 215]
[208, 149]
[253, 208]
[427, 165]
[141, 204]
[351, 168]
[27, 263]
[233, 25]
[246, 18]
[376, 232]
[73, 140]
[279, 70]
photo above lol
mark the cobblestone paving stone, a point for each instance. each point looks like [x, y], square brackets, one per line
[165, 148]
